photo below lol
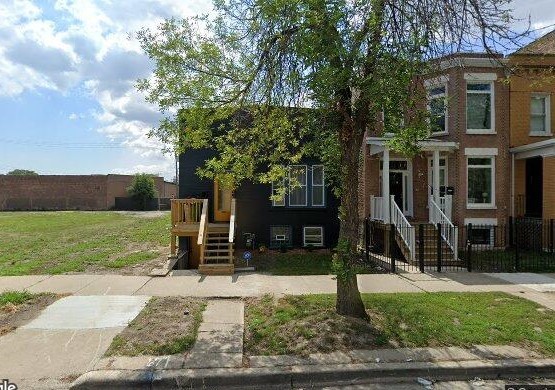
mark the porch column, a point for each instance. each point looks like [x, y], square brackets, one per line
[385, 186]
[435, 184]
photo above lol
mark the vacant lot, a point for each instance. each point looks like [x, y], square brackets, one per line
[82, 241]
[308, 324]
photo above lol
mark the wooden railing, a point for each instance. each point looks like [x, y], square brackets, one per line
[203, 229]
[377, 208]
[187, 210]
[405, 229]
[449, 232]
[232, 221]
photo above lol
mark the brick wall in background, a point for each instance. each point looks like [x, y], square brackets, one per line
[68, 192]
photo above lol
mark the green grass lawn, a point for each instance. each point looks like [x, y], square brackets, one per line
[298, 263]
[308, 324]
[15, 298]
[76, 241]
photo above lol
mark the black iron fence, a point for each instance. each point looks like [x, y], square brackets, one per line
[431, 251]
[521, 245]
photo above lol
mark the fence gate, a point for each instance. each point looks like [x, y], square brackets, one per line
[433, 250]
[521, 245]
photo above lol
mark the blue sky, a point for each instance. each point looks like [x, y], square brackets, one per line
[67, 70]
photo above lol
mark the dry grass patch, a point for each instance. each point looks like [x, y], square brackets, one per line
[19, 307]
[167, 325]
[301, 325]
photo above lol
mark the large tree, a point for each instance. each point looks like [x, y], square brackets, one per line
[268, 82]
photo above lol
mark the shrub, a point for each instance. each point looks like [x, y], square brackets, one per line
[142, 189]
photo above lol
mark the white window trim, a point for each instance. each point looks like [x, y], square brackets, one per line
[409, 186]
[305, 186]
[488, 152]
[430, 171]
[491, 205]
[274, 201]
[285, 240]
[323, 186]
[437, 81]
[321, 243]
[444, 95]
[481, 78]
[547, 132]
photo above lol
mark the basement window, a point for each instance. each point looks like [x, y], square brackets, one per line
[280, 235]
[313, 236]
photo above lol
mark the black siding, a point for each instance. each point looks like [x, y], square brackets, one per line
[255, 213]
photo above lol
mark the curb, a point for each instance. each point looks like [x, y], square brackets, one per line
[314, 375]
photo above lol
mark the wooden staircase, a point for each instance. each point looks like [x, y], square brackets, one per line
[217, 254]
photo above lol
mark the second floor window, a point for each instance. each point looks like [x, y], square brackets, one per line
[318, 191]
[305, 187]
[479, 107]
[437, 106]
[540, 122]
[297, 185]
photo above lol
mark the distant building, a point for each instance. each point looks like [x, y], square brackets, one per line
[70, 192]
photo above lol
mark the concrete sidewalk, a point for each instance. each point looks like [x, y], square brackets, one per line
[65, 340]
[245, 285]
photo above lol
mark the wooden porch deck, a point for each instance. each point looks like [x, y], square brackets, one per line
[213, 247]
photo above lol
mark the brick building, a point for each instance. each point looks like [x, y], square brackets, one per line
[470, 145]
[532, 144]
[70, 192]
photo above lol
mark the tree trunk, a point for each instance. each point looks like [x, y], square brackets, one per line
[349, 301]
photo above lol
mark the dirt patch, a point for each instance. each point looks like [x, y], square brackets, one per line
[139, 268]
[14, 316]
[144, 214]
[167, 325]
[301, 326]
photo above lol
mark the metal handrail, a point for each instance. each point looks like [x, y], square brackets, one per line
[403, 226]
[449, 232]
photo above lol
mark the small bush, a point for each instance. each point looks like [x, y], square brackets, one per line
[142, 189]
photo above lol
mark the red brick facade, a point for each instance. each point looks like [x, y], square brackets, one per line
[69, 192]
[466, 143]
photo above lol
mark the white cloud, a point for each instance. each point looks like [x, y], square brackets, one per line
[165, 169]
[75, 45]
